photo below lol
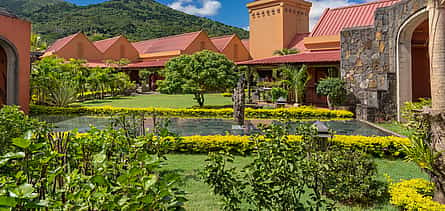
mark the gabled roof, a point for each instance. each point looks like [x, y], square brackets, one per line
[246, 43]
[171, 43]
[222, 42]
[305, 57]
[103, 45]
[334, 20]
[60, 43]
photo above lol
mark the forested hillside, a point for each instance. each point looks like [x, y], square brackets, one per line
[137, 19]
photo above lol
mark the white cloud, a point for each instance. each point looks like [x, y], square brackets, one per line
[247, 28]
[318, 7]
[197, 7]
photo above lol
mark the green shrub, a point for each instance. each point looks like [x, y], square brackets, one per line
[334, 89]
[307, 113]
[276, 93]
[227, 94]
[294, 175]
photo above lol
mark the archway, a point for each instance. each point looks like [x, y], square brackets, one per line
[8, 73]
[3, 73]
[412, 60]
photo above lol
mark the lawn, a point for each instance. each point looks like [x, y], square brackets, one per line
[159, 101]
[396, 127]
[201, 198]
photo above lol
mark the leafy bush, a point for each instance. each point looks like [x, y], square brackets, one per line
[14, 124]
[285, 113]
[414, 194]
[376, 146]
[288, 175]
[227, 94]
[334, 89]
[101, 170]
[411, 108]
[276, 93]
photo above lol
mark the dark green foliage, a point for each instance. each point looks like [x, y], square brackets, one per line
[102, 170]
[198, 74]
[136, 19]
[277, 92]
[334, 89]
[307, 175]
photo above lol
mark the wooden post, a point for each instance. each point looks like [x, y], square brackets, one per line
[239, 101]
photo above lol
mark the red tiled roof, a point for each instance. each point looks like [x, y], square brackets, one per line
[171, 43]
[60, 43]
[103, 45]
[246, 43]
[144, 64]
[334, 20]
[222, 42]
[305, 57]
[298, 42]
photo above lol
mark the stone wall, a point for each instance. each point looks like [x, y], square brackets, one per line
[369, 61]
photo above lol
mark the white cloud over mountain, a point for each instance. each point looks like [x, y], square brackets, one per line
[197, 7]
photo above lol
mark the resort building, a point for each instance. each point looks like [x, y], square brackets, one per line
[379, 48]
[15, 65]
[147, 54]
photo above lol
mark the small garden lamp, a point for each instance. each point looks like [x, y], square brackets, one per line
[281, 102]
[323, 135]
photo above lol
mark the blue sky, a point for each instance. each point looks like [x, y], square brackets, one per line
[232, 12]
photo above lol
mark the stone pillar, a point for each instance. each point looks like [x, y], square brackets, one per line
[239, 101]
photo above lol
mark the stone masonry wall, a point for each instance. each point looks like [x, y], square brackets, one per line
[368, 61]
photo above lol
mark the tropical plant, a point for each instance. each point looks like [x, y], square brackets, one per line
[286, 51]
[37, 43]
[295, 79]
[276, 93]
[63, 95]
[197, 74]
[334, 89]
[251, 75]
[286, 175]
[100, 170]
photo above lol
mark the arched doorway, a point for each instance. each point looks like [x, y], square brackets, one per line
[8, 73]
[413, 75]
[3, 71]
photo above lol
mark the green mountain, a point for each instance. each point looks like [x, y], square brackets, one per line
[136, 19]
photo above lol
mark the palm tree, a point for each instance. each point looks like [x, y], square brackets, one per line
[286, 51]
[37, 43]
[295, 79]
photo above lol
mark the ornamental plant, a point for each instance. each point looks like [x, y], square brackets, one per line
[101, 170]
[334, 89]
[198, 74]
[311, 174]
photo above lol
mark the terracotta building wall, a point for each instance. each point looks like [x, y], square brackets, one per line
[122, 48]
[274, 23]
[202, 42]
[236, 51]
[80, 48]
[18, 33]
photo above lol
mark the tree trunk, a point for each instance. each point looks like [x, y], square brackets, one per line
[436, 117]
[199, 97]
[239, 101]
[437, 53]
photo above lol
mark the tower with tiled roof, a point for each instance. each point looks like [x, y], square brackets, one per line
[275, 23]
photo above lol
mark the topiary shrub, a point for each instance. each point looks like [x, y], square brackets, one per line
[334, 89]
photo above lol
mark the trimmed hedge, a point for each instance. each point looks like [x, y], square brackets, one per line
[415, 194]
[377, 146]
[304, 113]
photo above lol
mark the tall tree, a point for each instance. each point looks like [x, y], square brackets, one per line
[198, 74]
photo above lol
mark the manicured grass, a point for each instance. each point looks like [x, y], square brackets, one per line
[201, 197]
[396, 127]
[159, 101]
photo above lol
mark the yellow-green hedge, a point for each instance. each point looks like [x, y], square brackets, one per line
[415, 194]
[285, 113]
[377, 146]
